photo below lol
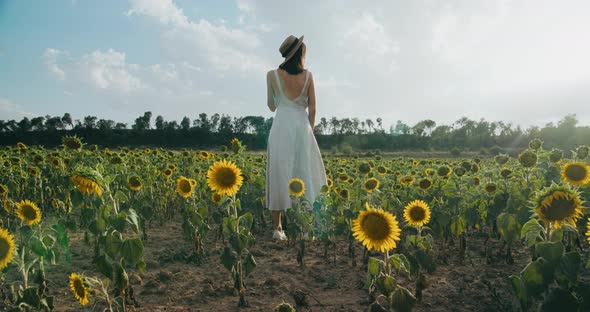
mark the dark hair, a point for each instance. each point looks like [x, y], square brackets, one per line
[294, 65]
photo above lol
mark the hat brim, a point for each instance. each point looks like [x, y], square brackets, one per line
[290, 55]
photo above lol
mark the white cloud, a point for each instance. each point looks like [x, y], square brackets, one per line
[50, 59]
[109, 70]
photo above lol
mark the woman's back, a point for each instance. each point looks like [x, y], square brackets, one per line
[291, 88]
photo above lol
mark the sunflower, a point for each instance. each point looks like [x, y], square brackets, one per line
[417, 213]
[476, 181]
[343, 177]
[429, 172]
[556, 155]
[21, 146]
[376, 229]
[343, 193]
[167, 173]
[28, 212]
[505, 173]
[72, 143]
[371, 184]
[79, 288]
[204, 155]
[296, 187]
[235, 145]
[460, 171]
[184, 187]
[381, 170]
[86, 184]
[407, 180]
[491, 188]
[330, 182]
[536, 144]
[134, 183]
[528, 158]
[8, 204]
[6, 248]
[587, 232]
[576, 173]
[558, 204]
[224, 177]
[216, 198]
[582, 152]
[443, 171]
[425, 184]
[364, 168]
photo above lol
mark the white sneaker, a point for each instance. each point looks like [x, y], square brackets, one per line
[279, 235]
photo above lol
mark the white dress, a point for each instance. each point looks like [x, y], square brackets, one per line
[292, 150]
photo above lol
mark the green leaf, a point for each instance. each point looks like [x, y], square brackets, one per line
[118, 221]
[551, 251]
[520, 290]
[62, 239]
[531, 232]
[402, 300]
[121, 197]
[38, 247]
[508, 227]
[229, 258]
[133, 220]
[570, 264]
[400, 263]
[31, 297]
[132, 251]
[104, 266]
[246, 220]
[386, 284]
[249, 264]
[532, 277]
[458, 225]
[113, 244]
[374, 266]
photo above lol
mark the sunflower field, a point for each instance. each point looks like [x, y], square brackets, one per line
[84, 228]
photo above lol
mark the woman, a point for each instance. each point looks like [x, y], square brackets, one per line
[292, 149]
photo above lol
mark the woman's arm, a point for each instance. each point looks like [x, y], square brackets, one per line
[270, 102]
[311, 101]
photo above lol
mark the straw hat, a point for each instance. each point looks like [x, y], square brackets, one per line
[289, 46]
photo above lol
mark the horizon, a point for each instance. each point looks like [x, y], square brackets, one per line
[522, 63]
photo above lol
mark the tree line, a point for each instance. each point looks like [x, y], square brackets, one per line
[206, 131]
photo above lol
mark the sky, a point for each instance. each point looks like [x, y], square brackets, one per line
[520, 61]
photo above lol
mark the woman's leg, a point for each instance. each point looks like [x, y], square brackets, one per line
[276, 220]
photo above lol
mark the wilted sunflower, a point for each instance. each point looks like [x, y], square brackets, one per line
[505, 173]
[476, 181]
[371, 184]
[6, 248]
[501, 159]
[425, 184]
[376, 229]
[417, 213]
[528, 158]
[72, 143]
[296, 187]
[79, 288]
[558, 204]
[86, 184]
[184, 187]
[460, 171]
[134, 183]
[536, 144]
[224, 177]
[576, 173]
[491, 188]
[28, 212]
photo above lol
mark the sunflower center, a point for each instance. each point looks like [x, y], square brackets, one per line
[371, 184]
[29, 212]
[79, 288]
[185, 186]
[3, 248]
[417, 213]
[134, 182]
[375, 227]
[559, 209]
[225, 177]
[425, 184]
[296, 187]
[576, 173]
